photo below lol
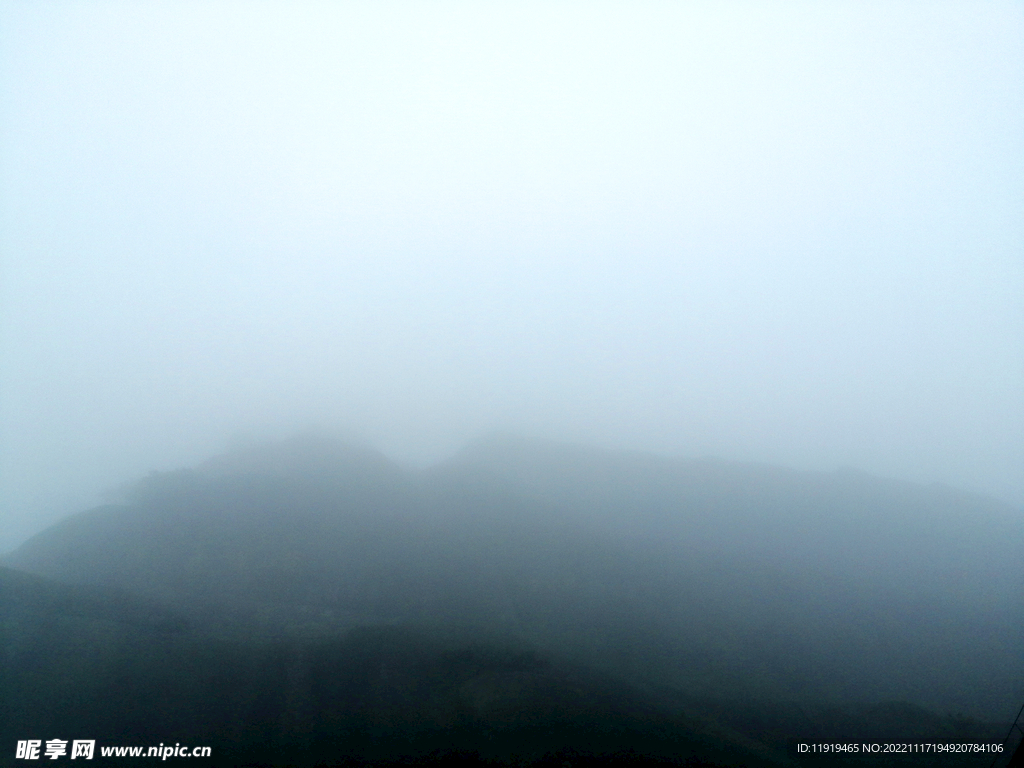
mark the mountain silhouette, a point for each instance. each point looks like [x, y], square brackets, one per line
[685, 583]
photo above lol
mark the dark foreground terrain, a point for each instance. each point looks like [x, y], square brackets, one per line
[310, 603]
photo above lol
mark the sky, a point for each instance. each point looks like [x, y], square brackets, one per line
[779, 232]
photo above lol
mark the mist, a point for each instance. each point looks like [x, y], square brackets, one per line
[779, 233]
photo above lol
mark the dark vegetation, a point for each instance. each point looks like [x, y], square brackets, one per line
[310, 603]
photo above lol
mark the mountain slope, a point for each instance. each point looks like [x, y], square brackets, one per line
[92, 662]
[719, 579]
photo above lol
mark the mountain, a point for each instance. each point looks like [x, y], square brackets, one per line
[709, 582]
[92, 662]
[89, 662]
[872, 585]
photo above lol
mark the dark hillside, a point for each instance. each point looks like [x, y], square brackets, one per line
[873, 584]
[91, 662]
[88, 662]
[722, 582]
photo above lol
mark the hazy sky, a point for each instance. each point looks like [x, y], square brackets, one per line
[783, 232]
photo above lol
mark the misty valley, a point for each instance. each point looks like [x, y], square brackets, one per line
[310, 602]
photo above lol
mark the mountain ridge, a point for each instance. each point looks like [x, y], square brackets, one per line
[701, 573]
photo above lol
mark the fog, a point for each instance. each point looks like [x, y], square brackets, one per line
[785, 233]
